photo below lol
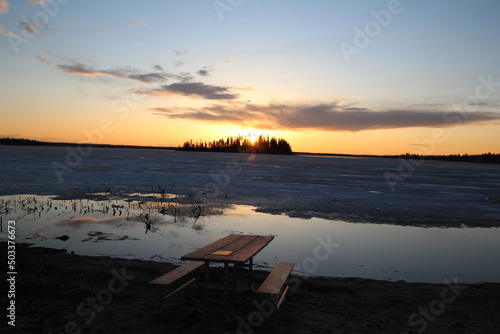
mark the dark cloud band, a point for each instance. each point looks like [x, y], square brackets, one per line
[330, 117]
[127, 73]
[198, 89]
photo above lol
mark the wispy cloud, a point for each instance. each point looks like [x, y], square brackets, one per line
[183, 85]
[147, 77]
[37, 3]
[182, 52]
[205, 71]
[4, 6]
[79, 69]
[209, 92]
[35, 27]
[220, 113]
[138, 23]
[127, 73]
[226, 62]
[329, 117]
[6, 32]
[323, 116]
[42, 56]
[353, 109]
[31, 27]
[177, 63]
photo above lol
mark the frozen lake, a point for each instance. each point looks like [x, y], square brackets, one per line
[440, 220]
[352, 189]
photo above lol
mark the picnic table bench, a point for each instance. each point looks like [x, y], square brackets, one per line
[275, 287]
[173, 277]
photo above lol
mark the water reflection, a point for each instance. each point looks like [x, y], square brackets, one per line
[76, 213]
[80, 222]
[167, 229]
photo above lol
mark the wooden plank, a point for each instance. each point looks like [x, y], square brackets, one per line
[243, 247]
[199, 254]
[239, 243]
[250, 250]
[177, 273]
[232, 247]
[276, 280]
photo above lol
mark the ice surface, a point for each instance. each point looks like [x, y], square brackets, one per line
[352, 189]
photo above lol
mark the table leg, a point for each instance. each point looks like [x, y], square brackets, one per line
[250, 278]
[226, 291]
[160, 301]
[235, 272]
[205, 289]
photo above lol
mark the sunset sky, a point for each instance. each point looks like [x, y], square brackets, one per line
[330, 76]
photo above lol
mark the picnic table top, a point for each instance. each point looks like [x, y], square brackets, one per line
[234, 248]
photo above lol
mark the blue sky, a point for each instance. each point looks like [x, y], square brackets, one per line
[208, 69]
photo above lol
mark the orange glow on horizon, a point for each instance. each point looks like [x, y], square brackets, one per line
[140, 128]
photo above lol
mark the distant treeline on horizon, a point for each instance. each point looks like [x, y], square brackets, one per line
[241, 144]
[248, 147]
[31, 142]
[488, 158]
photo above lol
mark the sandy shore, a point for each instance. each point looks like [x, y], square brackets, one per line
[57, 292]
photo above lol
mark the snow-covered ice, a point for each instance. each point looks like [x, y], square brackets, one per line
[434, 193]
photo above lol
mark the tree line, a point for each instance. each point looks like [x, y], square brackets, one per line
[489, 158]
[241, 144]
[31, 142]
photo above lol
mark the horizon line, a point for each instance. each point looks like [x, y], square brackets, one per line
[125, 146]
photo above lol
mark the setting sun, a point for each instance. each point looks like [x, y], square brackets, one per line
[253, 134]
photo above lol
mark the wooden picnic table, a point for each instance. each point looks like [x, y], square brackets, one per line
[236, 249]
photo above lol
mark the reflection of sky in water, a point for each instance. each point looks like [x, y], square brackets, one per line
[118, 228]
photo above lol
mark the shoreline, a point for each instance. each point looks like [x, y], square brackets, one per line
[53, 288]
[360, 216]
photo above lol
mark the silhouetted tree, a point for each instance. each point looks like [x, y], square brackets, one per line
[236, 144]
[490, 158]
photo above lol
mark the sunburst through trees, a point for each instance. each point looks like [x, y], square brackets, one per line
[241, 144]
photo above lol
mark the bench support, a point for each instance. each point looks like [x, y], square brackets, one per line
[180, 288]
[275, 287]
